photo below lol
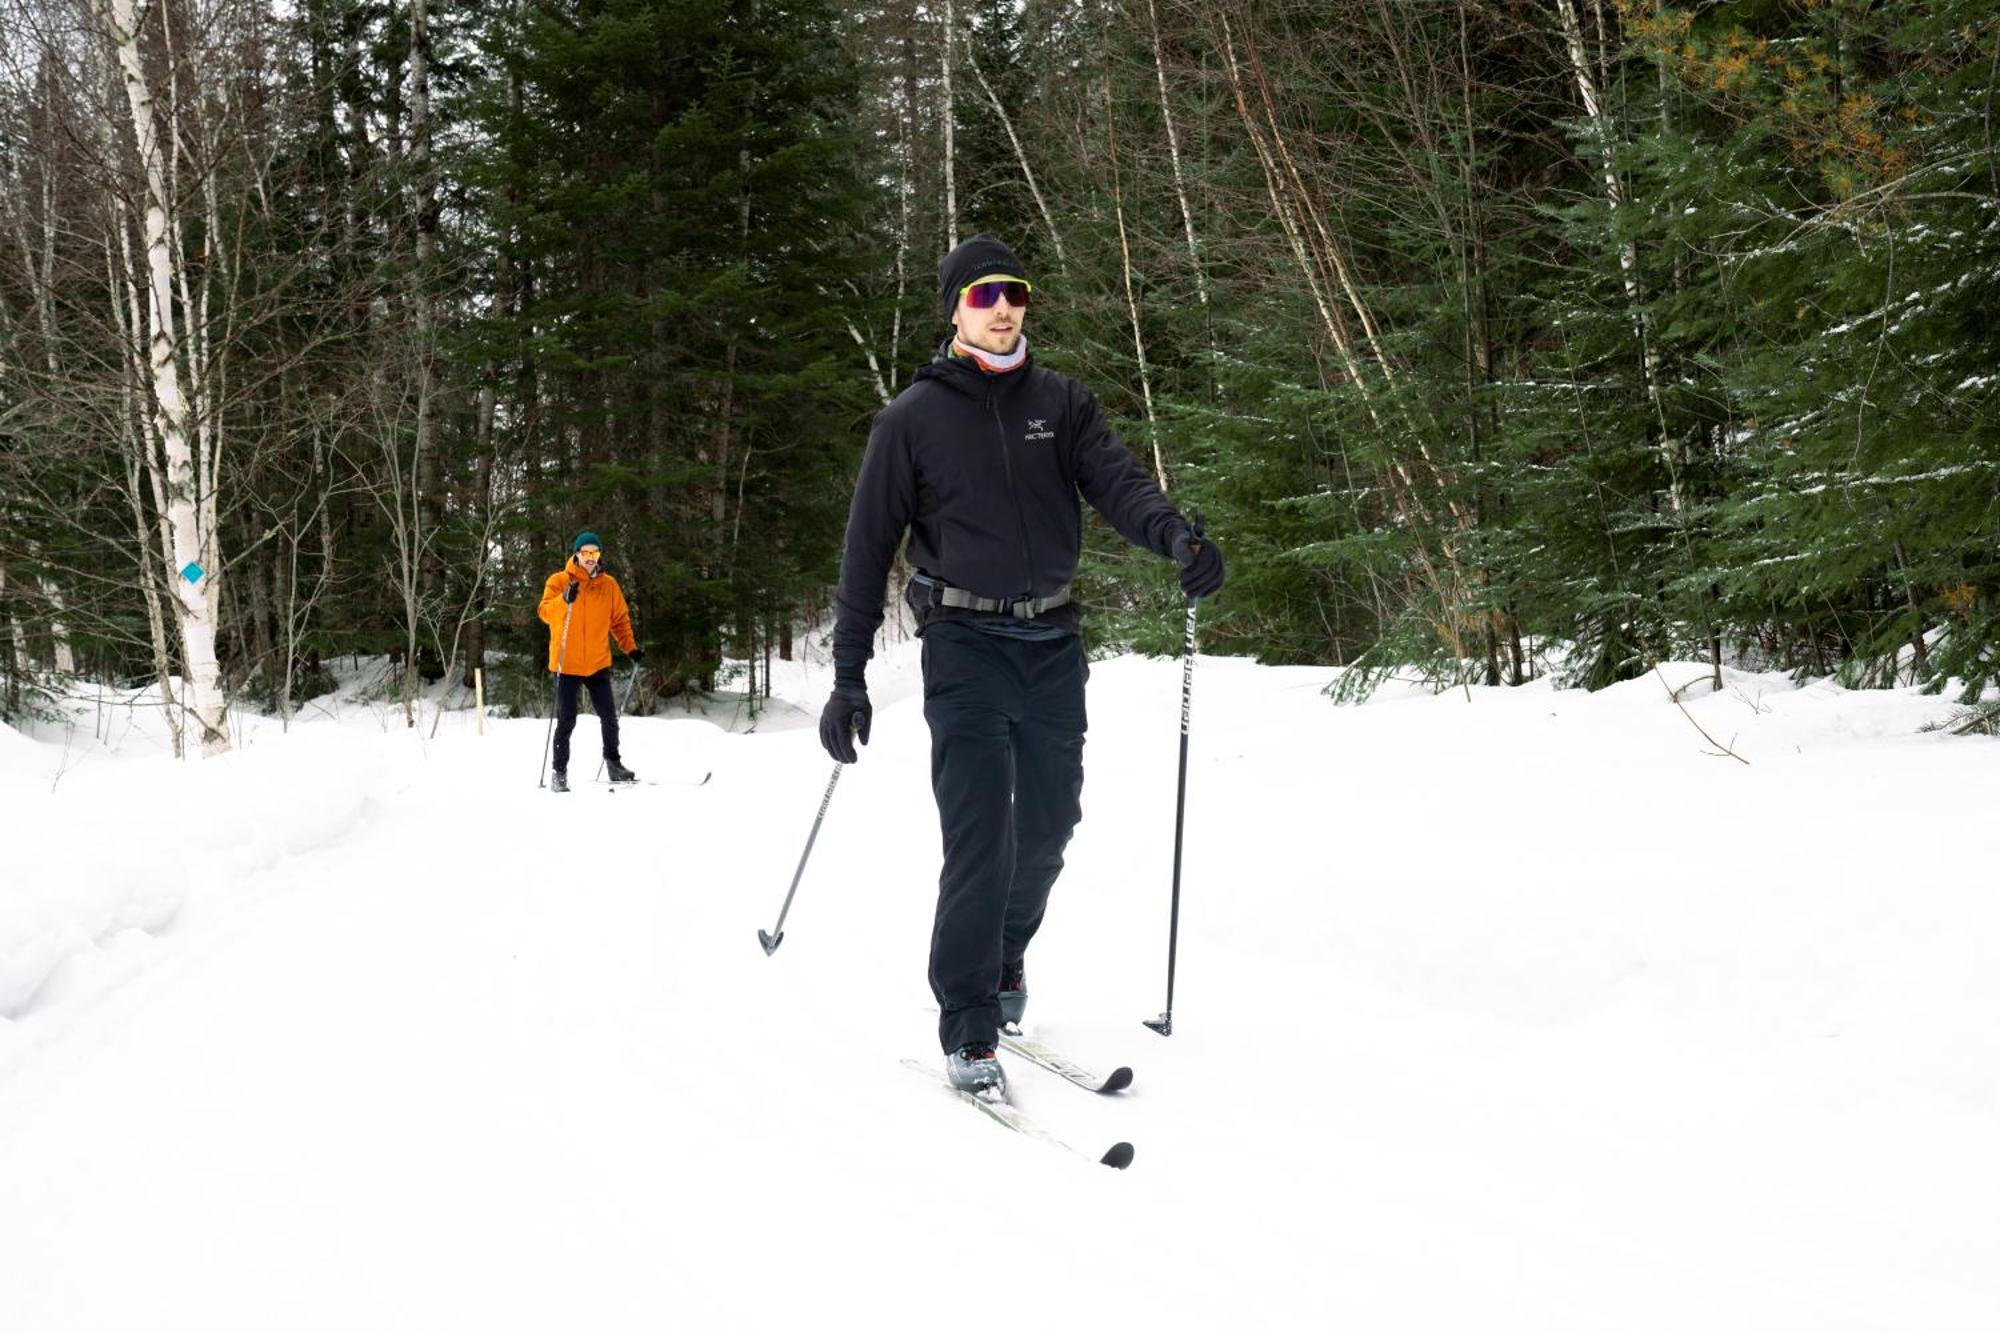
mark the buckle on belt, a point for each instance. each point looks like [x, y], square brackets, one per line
[1021, 608]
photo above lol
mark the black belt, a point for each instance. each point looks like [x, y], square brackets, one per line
[1021, 608]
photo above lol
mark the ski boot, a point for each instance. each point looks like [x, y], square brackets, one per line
[974, 1068]
[1013, 997]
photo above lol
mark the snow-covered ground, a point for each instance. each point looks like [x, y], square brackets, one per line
[1521, 1010]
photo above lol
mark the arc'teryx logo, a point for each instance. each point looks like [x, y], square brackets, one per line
[1039, 430]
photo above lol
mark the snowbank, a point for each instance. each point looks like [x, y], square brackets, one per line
[1511, 1009]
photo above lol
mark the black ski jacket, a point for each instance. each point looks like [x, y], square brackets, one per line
[983, 471]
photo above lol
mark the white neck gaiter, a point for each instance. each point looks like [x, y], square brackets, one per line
[990, 362]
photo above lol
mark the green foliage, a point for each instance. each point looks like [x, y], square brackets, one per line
[1472, 358]
[682, 196]
[1864, 496]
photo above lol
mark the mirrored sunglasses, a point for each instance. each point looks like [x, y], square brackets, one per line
[986, 293]
[588, 550]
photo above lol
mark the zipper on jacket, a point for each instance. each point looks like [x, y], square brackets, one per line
[1013, 491]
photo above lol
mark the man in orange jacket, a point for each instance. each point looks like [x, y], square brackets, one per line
[582, 605]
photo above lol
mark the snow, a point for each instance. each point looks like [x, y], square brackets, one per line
[1497, 1010]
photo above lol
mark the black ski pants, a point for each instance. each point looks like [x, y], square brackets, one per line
[601, 702]
[1007, 723]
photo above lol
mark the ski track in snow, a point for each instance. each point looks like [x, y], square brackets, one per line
[1516, 1012]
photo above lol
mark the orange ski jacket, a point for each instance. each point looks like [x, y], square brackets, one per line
[599, 610]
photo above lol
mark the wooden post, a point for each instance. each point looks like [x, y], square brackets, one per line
[479, 700]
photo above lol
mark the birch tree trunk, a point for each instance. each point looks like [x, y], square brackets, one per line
[1174, 154]
[298, 607]
[950, 167]
[906, 148]
[489, 400]
[65, 655]
[127, 319]
[19, 642]
[1601, 130]
[1131, 293]
[874, 362]
[426, 511]
[1323, 268]
[1309, 272]
[1020, 155]
[39, 269]
[195, 606]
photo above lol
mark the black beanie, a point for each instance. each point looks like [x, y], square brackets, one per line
[975, 258]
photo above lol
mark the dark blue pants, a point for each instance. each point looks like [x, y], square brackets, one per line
[1007, 723]
[601, 702]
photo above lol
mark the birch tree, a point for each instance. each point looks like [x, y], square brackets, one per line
[946, 47]
[1603, 134]
[190, 539]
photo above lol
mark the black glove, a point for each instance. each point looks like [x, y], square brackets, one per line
[845, 717]
[569, 592]
[1201, 565]
[637, 655]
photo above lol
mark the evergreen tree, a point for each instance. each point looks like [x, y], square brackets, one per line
[685, 201]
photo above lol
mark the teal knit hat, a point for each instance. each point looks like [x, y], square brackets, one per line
[584, 539]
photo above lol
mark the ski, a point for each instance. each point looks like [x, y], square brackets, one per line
[1057, 1063]
[1118, 1156]
[701, 781]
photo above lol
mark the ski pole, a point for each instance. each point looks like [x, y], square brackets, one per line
[1164, 1024]
[623, 709]
[777, 933]
[555, 697]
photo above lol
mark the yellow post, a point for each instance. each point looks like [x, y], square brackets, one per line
[479, 699]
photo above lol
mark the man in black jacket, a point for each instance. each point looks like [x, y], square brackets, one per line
[980, 461]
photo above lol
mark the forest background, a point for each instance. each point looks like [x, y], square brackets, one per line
[1493, 338]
